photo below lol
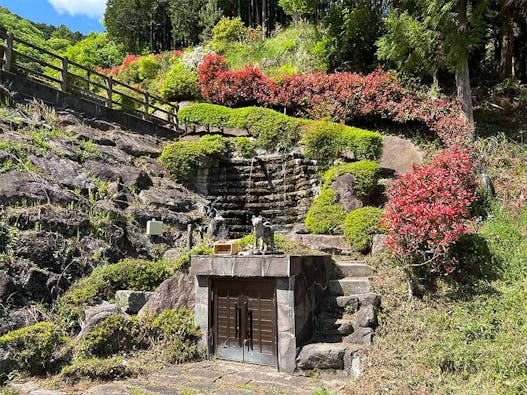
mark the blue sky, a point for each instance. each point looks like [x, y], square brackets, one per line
[82, 15]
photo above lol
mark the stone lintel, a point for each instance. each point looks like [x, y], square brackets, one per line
[250, 266]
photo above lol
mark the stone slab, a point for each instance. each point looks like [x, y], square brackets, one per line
[253, 266]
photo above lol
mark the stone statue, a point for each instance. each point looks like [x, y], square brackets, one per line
[263, 233]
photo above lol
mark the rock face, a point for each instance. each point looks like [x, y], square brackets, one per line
[344, 185]
[131, 301]
[19, 318]
[77, 197]
[175, 293]
[399, 154]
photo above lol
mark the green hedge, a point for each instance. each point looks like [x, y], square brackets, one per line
[326, 141]
[33, 349]
[206, 115]
[325, 216]
[360, 225]
[366, 173]
[322, 140]
[183, 158]
[271, 129]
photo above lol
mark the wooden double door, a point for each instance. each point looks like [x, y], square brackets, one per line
[244, 320]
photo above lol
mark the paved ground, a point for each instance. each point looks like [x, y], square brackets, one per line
[220, 377]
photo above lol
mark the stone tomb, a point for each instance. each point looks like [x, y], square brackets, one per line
[259, 308]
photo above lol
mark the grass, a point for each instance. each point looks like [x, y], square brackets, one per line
[287, 51]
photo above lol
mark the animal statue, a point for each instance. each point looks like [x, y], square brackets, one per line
[263, 233]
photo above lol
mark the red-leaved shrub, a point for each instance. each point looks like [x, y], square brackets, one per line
[343, 97]
[428, 209]
[230, 87]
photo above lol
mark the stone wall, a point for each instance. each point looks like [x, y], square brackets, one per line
[278, 187]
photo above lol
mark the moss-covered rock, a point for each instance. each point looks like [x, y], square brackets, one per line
[183, 158]
[36, 349]
[365, 172]
[360, 225]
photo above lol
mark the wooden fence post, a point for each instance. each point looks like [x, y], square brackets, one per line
[64, 75]
[8, 52]
[146, 104]
[109, 91]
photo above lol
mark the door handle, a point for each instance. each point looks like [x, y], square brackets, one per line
[248, 325]
[237, 320]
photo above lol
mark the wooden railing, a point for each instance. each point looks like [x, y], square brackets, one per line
[74, 78]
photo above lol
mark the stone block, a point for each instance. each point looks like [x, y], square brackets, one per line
[286, 352]
[360, 336]
[131, 301]
[366, 316]
[322, 356]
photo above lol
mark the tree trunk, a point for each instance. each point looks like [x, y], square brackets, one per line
[520, 53]
[464, 92]
[264, 19]
[507, 41]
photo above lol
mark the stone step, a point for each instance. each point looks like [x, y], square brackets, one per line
[336, 356]
[348, 286]
[352, 269]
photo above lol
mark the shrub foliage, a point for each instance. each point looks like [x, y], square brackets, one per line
[326, 215]
[183, 158]
[428, 210]
[365, 172]
[360, 225]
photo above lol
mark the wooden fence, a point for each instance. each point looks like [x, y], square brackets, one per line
[74, 78]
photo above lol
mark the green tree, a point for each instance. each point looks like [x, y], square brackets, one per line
[97, 49]
[352, 28]
[297, 8]
[444, 32]
[185, 18]
[129, 22]
[209, 16]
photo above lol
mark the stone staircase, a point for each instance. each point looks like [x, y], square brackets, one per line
[346, 319]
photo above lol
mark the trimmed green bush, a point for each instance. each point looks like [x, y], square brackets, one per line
[133, 274]
[205, 114]
[273, 130]
[326, 141]
[360, 225]
[176, 334]
[34, 349]
[179, 84]
[366, 173]
[325, 216]
[183, 158]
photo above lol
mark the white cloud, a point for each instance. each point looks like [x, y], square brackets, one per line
[91, 8]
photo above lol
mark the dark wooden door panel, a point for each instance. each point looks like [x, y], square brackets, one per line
[245, 320]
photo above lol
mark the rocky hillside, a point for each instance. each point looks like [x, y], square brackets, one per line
[74, 194]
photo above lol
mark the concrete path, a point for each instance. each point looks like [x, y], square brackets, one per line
[220, 377]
